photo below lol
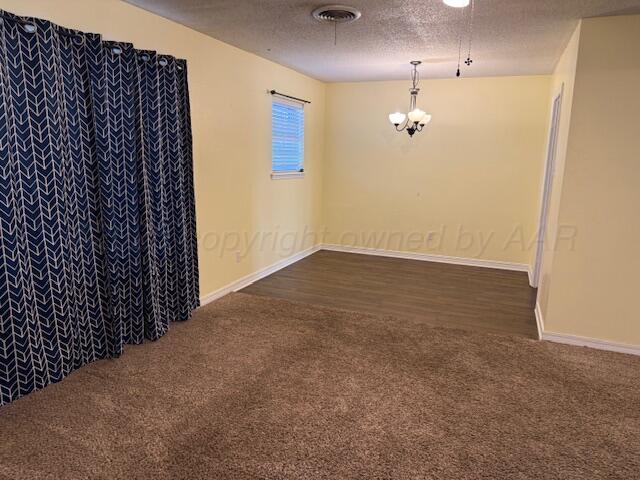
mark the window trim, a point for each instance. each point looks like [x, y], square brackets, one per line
[285, 175]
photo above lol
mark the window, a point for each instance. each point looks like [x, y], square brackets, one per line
[287, 139]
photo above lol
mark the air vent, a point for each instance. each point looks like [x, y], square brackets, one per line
[336, 14]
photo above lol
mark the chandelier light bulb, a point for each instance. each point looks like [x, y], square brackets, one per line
[416, 115]
[397, 118]
[456, 3]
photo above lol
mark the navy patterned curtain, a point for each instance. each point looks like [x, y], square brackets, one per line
[120, 159]
[97, 220]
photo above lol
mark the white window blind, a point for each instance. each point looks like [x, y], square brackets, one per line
[287, 136]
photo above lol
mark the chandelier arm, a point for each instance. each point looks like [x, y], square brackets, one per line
[404, 127]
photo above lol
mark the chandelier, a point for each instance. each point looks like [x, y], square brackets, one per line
[416, 119]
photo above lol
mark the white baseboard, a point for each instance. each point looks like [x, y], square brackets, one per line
[591, 342]
[530, 274]
[539, 321]
[428, 257]
[581, 341]
[254, 277]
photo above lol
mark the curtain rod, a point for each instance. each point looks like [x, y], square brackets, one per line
[273, 92]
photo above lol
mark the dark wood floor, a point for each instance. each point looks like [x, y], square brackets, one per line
[443, 295]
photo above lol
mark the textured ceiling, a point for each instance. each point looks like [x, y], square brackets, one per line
[511, 37]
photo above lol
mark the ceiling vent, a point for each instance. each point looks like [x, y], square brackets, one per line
[336, 14]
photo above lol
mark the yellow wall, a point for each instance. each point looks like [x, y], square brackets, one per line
[232, 136]
[562, 80]
[594, 292]
[476, 168]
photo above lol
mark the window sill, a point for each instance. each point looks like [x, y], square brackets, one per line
[283, 175]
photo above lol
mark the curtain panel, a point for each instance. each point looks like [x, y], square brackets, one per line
[97, 217]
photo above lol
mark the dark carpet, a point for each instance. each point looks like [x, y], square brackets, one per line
[256, 388]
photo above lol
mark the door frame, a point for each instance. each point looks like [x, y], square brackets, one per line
[547, 184]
